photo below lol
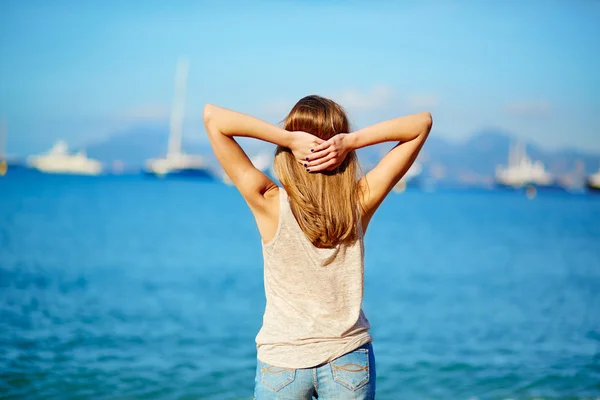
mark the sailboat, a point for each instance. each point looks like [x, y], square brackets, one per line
[177, 163]
[522, 172]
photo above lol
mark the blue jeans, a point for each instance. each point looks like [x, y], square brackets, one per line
[351, 376]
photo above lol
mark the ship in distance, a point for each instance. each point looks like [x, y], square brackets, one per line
[593, 182]
[522, 173]
[58, 160]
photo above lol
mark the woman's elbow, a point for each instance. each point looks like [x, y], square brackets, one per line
[207, 113]
[427, 122]
[428, 119]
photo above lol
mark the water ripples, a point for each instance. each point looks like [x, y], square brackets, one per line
[147, 293]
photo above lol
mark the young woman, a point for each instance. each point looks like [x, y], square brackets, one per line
[315, 339]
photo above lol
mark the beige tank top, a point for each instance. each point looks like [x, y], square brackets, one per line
[313, 313]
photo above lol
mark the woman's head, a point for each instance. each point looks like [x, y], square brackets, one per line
[318, 116]
[325, 204]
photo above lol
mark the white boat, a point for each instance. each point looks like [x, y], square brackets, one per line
[177, 163]
[522, 172]
[410, 178]
[593, 182]
[59, 161]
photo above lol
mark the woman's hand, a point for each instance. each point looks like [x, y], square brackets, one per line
[330, 154]
[301, 145]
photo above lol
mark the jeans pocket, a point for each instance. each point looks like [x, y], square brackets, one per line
[352, 369]
[276, 378]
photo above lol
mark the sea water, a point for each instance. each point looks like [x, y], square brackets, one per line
[135, 288]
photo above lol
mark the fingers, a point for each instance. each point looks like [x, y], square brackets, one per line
[304, 150]
[325, 166]
[315, 155]
[321, 160]
[319, 154]
[322, 146]
[322, 151]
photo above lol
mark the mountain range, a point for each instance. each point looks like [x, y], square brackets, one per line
[473, 160]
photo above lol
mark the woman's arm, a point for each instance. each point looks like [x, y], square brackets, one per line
[223, 125]
[410, 132]
[231, 123]
[402, 129]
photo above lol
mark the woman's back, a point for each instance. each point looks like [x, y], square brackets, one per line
[314, 296]
[314, 341]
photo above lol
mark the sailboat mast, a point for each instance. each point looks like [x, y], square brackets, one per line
[178, 110]
[518, 154]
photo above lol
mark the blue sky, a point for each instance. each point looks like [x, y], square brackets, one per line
[82, 72]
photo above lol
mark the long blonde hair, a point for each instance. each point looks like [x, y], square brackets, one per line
[325, 204]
